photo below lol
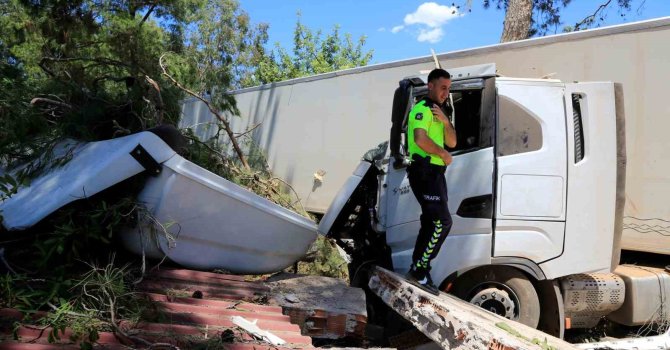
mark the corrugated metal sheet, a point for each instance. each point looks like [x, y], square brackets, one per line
[194, 308]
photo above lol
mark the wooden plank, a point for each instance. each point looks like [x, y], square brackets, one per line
[456, 324]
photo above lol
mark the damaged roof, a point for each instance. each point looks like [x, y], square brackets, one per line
[195, 309]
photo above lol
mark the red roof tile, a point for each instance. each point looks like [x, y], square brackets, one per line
[185, 319]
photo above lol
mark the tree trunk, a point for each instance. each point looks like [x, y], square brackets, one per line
[517, 20]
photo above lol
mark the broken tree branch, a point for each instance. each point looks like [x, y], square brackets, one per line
[157, 97]
[42, 100]
[99, 60]
[204, 144]
[294, 192]
[146, 16]
[588, 20]
[226, 123]
[248, 131]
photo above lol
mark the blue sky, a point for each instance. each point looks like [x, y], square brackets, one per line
[419, 25]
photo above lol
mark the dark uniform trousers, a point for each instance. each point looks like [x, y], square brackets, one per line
[430, 189]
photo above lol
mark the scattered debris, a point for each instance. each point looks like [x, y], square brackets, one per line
[659, 342]
[227, 336]
[291, 298]
[324, 307]
[252, 328]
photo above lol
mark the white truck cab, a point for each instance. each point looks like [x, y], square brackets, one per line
[535, 192]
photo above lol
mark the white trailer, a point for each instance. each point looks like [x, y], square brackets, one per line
[326, 122]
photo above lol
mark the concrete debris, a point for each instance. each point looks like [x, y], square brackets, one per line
[252, 328]
[455, 324]
[324, 307]
[291, 298]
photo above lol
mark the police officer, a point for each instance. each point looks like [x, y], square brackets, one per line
[429, 130]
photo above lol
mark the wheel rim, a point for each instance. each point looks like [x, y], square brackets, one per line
[497, 298]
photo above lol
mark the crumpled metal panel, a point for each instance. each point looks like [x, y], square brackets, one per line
[94, 167]
[218, 224]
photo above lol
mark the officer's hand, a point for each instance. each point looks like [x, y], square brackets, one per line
[446, 157]
[437, 111]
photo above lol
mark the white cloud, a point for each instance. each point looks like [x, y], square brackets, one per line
[429, 18]
[430, 35]
[432, 15]
[381, 29]
[397, 29]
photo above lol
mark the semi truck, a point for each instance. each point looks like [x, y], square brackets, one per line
[537, 210]
[536, 192]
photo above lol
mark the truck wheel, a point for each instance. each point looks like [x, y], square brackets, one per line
[501, 290]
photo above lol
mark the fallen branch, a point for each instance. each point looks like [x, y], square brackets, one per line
[160, 106]
[195, 139]
[248, 131]
[218, 115]
[294, 191]
[47, 101]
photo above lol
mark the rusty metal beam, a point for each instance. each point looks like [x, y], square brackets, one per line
[455, 324]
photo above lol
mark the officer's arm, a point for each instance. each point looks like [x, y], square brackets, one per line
[449, 135]
[449, 132]
[422, 140]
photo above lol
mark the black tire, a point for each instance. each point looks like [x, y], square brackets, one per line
[485, 281]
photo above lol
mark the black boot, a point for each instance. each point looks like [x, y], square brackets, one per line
[421, 278]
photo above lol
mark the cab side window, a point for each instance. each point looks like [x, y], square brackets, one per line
[518, 130]
[467, 119]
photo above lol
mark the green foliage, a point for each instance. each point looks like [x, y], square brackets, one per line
[89, 70]
[14, 293]
[312, 54]
[327, 260]
[93, 65]
[541, 343]
[218, 47]
[84, 326]
[106, 290]
[80, 228]
[8, 186]
[98, 297]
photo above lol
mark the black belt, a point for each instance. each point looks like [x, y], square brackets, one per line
[420, 162]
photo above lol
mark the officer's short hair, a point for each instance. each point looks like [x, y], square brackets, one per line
[438, 73]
